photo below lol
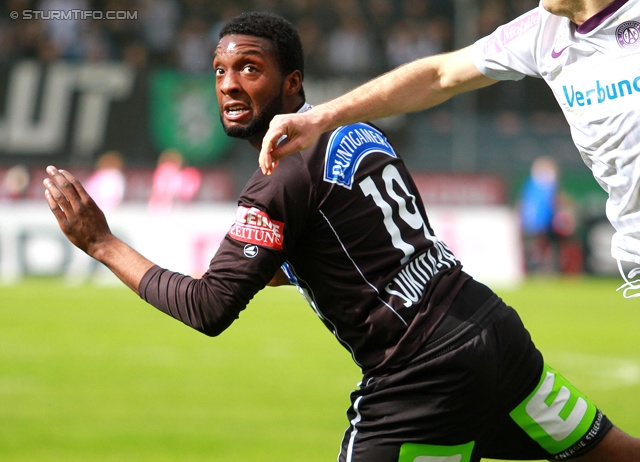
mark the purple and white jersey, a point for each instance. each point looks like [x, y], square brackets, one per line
[594, 72]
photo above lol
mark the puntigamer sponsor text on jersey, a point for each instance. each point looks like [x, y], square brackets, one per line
[347, 147]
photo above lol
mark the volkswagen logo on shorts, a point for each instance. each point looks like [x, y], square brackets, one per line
[250, 250]
[628, 34]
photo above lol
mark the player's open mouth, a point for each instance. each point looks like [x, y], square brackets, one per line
[235, 112]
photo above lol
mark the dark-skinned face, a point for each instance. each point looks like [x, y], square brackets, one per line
[249, 85]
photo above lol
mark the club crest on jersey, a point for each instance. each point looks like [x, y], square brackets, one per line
[253, 226]
[347, 147]
[628, 34]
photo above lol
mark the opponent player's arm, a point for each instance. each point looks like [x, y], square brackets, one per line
[84, 224]
[415, 86]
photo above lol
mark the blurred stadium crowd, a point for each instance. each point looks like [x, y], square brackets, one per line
[340, 37]
[344, 40]
[169, 44]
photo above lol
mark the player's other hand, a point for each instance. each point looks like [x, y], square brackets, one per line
[301, 132]
[79, 218]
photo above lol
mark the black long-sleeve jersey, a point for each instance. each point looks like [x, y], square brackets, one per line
[345, 221]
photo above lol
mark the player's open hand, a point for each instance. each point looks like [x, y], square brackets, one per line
[79, 218]
[300, 131]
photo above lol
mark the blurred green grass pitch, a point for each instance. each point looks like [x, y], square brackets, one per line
[93, 373]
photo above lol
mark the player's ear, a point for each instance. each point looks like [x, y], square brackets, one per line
[292, 83]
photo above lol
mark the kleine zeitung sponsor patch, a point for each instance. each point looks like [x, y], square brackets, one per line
[253, 226]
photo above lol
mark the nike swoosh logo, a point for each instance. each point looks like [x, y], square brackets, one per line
[556, 54]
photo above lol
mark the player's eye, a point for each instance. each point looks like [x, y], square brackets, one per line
[219, 71]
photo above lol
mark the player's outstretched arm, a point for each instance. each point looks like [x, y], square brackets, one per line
[415, 86]
[84, 224]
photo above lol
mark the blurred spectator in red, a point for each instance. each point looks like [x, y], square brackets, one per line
[171, 181]
[15, 183]
[107, 184]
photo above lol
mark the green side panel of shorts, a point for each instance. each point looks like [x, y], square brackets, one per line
[412, 452]
[555, 414]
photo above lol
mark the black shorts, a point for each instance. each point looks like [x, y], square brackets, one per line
[480, 390]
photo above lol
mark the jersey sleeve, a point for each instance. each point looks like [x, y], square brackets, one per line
[269, 217]
[509, 52]
[212, 302]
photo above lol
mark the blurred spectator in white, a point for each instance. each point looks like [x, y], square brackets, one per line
[159, 23]
[380, 17]
[350, 50]
[65, 34]
[27, 38]
[96, 44]
[11, 29]
[121, 32]
[314, 45]
[226, 12]
[411, 39]
[107, 184]
[15, 183]
[194, 50]
[172, 181]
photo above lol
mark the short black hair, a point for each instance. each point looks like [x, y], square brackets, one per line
[276, 29]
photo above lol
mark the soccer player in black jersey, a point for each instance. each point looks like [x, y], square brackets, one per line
[449, 371]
